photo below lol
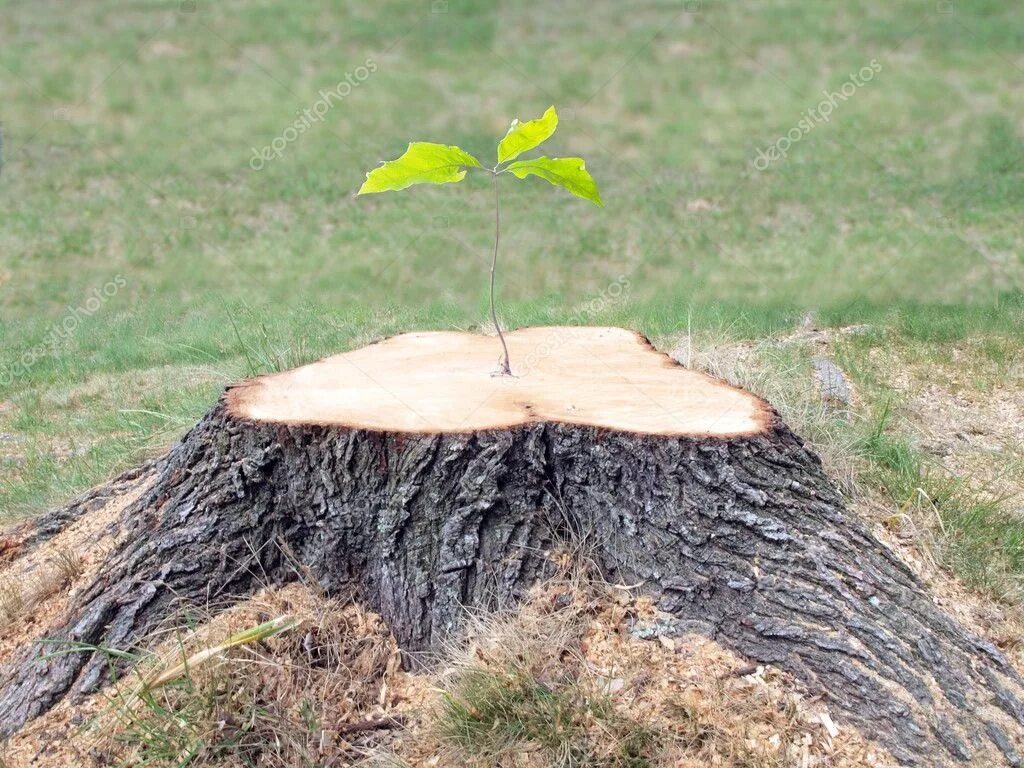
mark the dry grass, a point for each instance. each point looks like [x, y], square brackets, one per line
[777, 369]
[67, 565]
[18, 596]
[288, 700]
[12, 601]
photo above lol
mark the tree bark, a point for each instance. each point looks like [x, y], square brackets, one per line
[740, 537]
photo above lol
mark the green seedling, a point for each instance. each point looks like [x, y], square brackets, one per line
[427, 163]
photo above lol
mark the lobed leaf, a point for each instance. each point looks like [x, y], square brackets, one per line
[422, 163]
[568, 172]
[524, 136]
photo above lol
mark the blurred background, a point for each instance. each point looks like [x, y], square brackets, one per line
[177, 201]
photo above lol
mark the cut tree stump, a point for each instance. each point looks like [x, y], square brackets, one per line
[408, 472]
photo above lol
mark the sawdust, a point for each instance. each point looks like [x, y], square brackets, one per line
[974, 434]
[338, 667]
[702, 705]
[38, 587]
[344, 662]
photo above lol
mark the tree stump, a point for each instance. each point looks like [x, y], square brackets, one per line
[407, 471]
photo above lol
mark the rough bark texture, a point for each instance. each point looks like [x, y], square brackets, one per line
[743, 539]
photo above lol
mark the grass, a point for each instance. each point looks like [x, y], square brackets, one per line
[980, 539]
[523, 686]
[492, 714]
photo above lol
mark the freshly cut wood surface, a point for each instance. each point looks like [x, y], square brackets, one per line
[443, 382]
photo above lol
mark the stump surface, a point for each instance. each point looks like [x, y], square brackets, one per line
[433, 383]
[427, 492]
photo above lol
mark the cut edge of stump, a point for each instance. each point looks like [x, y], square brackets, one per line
[297, 398]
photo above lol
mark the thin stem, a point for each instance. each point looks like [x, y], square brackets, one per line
[506, 368]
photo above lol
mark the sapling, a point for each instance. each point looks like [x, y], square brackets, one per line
[427, 163]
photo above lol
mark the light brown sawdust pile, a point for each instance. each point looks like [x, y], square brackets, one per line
[332, 692]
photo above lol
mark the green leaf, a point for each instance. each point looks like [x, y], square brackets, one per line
[422, 163]
[568, 172]
[524, 136]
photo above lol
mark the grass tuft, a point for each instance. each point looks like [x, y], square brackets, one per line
[12, 601]
[20, 594]
[490, 714]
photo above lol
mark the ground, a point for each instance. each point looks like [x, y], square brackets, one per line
[145, 261]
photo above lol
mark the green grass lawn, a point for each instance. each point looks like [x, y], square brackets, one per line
[129, 129]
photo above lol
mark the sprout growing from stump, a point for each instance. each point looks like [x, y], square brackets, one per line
[427, 163]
